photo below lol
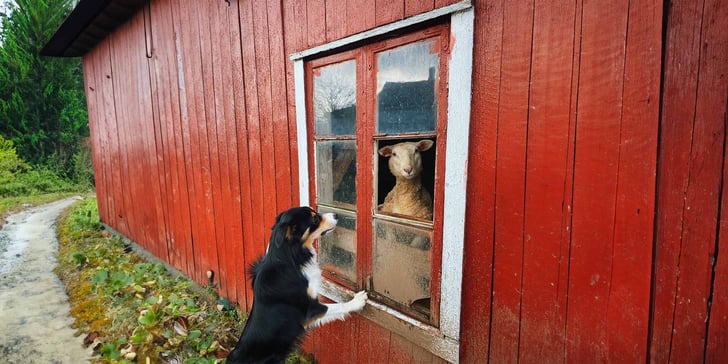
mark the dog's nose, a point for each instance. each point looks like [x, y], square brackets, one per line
[336, 217]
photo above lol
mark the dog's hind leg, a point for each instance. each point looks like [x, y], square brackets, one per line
[339, 311]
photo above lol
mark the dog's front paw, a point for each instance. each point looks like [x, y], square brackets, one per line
[359, 301]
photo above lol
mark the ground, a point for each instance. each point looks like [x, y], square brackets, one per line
[34, 306]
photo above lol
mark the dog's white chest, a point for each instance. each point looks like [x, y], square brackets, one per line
[312, 272]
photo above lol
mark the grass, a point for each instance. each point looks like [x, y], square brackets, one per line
[135, 311]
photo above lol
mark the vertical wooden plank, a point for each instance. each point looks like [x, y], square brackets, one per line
[336, 342]
[628, 309]
[365, 16]
[336, 19]
[480, 224]
[294, 19]
[442, 3]
[414, 7]
[713, 63]
[101, 150]
[192, 116]
[245, 239]
[119, 65]
[316, 22]
[510, 180]
[232, 75]
[257, 245]
[112, 134]
[545, 251]
[217, 133]
[209, 144]
[422, 356]
[154, 181]
[89, 86]
[700, 216]
[400, 349]
[148, 192]
[682, 44]
[128, 44]
[183, 146]
[162, 171]
[98, 147]
[387, 11]
[595, 179]
[161, 116]
[373, 342]
[280, 121]
[165, 65]
[267, 139]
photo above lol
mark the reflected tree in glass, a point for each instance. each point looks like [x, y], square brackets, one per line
[334, 98]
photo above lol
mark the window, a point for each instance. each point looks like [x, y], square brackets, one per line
[383, 144]
[382, 107]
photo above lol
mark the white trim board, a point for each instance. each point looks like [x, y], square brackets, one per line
[384, 29]
[444, 341]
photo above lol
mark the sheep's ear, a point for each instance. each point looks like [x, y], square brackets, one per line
[424, 145]
[385, 151]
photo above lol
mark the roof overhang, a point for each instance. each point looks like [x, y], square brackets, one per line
[90, 22]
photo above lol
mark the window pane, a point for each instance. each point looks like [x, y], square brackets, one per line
[405, 177]
[334, 99]
[401, 264]
[336, 172]
[337, 252]
[406, 76]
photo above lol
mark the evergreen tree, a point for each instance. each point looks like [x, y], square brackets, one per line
[42, 104]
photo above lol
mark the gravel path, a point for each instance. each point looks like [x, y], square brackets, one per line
[34, 310]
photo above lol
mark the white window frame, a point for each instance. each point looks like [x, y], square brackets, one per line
[445, 340]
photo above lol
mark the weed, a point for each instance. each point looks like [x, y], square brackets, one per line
[137, 309]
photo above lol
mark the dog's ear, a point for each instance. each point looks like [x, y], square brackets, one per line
[284, 225]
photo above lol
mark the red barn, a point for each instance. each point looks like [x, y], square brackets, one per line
[576, 174]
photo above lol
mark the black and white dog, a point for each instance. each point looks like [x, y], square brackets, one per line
[286, 283]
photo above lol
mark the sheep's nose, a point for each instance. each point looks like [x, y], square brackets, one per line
[408, 170]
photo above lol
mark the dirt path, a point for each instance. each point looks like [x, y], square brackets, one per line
[34, 310]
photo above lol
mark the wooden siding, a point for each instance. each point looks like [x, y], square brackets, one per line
[578, 247]
[689, 315]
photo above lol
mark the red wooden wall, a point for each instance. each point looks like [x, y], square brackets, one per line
[595, 174]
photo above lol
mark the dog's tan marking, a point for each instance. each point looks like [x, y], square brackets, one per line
[289, 234]
[305, 236]
[311, 293]
[326, 224]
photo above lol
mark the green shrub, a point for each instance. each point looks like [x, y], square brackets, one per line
[10, 163]
[34, 182]
[83, 168]
[18, 178]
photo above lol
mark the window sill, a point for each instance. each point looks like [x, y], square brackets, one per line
[421, 334]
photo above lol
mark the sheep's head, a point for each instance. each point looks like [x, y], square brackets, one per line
[404, 158]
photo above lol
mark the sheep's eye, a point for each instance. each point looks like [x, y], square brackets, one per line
[394, 154]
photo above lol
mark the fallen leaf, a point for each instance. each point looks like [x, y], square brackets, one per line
[179, 329]
[90, 338]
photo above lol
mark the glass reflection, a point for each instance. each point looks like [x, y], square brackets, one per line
[338, 248]
[401, 264]
[336, 172]
[406, 79]
[334, 99]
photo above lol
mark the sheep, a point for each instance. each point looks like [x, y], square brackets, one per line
[408, 197]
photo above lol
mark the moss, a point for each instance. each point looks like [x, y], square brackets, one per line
[137, 309]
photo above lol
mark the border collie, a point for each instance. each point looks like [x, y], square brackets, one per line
[286, 283]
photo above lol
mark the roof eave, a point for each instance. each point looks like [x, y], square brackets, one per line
[90, 22]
